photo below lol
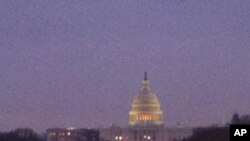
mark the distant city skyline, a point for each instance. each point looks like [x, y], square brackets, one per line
[81, 63]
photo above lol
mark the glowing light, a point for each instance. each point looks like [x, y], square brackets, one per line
[149, 137]
[71, 128]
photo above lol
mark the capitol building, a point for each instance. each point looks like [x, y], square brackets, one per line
[145, 121]
[145, 124]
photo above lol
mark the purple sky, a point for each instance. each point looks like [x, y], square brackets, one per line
[80, 63]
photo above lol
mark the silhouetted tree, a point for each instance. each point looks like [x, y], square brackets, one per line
[244, 119]
[235, 118]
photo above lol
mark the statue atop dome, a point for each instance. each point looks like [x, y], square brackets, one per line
[145, 82]
[145, 76]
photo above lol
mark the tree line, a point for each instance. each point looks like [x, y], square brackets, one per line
[217, 133]
[21, 134]
[210, 134]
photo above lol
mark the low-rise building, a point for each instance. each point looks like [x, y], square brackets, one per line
[63, 134]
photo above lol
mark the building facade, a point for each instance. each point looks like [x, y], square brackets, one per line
[146, 121]
[59, 134]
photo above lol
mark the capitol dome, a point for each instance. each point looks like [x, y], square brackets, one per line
[146, 108]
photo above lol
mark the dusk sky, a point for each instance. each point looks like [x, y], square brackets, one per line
[80, 63]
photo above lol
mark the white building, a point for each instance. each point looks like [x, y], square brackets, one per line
[145, 121]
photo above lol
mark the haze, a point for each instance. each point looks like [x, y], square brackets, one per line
[80, 63]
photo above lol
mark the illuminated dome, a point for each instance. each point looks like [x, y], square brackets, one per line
[146, 109]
